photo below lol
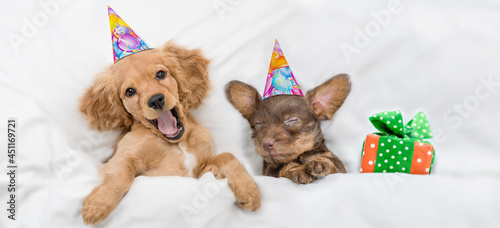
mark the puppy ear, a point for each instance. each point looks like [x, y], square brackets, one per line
[243, 97]
[102, 105]
[191, 73]
[328, 97]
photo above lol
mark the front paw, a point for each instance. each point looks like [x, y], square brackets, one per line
[94, 211]
[299, 175]
[320, 168]
[247, 194]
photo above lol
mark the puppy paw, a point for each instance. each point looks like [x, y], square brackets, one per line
[94, 211]
[320, 168]
[250, 201]
[299, 175]
[213, 169]
[247, 195]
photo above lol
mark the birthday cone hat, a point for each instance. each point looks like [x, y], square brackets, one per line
[125, 40]
[280, 79]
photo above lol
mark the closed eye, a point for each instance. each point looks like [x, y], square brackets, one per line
[257, 125]
[291, 121]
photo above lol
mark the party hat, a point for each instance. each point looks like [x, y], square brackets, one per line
[280, 79]
[125, 40]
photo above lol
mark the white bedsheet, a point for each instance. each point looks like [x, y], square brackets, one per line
[441, 57]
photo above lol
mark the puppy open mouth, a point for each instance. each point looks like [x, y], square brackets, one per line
[169, 124]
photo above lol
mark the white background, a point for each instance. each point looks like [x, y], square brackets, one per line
[441, 57]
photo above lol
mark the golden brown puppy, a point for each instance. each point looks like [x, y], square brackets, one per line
[286, 128]
[148, 95]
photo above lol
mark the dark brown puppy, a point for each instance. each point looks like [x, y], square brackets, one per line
[286, 128]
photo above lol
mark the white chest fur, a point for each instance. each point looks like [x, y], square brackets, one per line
[189, 160]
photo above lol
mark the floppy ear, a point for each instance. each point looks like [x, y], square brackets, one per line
[191, 73]
[102, 105]
[328, 97]
[243, 97]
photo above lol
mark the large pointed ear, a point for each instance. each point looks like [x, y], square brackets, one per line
[191, 73]
[102, 105]
[243, 97]
[328, 97]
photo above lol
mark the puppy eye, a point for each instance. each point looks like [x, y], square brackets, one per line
[129, 92]
[257, 124]
[291, 121]
[160, 75]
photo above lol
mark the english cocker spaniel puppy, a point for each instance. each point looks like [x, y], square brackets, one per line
[148, 95]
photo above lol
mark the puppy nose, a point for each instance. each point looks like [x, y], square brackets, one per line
[156, 101]
[268, 144]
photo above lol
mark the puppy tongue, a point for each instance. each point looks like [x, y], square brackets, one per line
[167, 123]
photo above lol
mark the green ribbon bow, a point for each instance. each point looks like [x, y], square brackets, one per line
[391, 123]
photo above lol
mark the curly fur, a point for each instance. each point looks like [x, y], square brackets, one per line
[142, 149]
[101, 102]
[286, 128]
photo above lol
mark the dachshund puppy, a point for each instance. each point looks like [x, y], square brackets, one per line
[286, 128]
[148, 95]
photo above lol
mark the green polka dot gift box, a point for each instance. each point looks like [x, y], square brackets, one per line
[398, 148]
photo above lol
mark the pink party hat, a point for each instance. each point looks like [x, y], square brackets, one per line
[280, 79]
[125, 40]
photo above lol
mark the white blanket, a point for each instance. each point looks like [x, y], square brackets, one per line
[441, 57]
